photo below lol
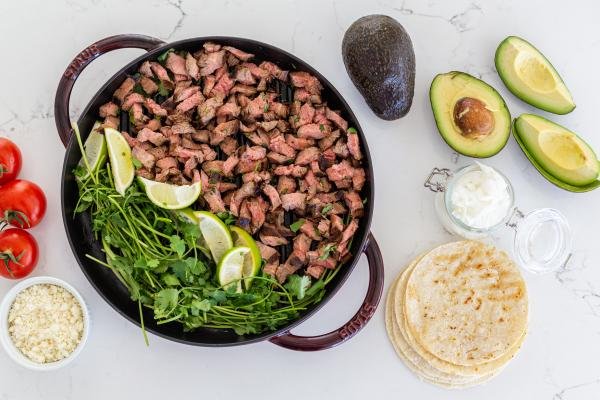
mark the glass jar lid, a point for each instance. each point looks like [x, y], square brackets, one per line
[543, 240]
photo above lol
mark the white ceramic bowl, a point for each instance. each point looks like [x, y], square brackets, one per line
[6, 340]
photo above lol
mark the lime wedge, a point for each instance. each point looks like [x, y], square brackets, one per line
[119, 154]
[253, 260]
[95, 150]
[229, 269]
[215, 234]
[187, 214]
[171, 197]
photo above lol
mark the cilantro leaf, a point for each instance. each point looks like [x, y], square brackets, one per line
[219, 296]
[165, 300]
[191, 232]
[297, 225]
[163, 57]
[180, 268]
[352, 131]
[170, 279]
[327, 250]
[177, 244]
[203, 305]
[162, 90]
[195, 266]
[297, 285]
[227, 218]
[326, 209]
[136, 163]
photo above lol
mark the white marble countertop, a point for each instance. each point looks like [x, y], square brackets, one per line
[561, 356]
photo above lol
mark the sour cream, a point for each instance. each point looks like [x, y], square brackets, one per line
[480, 197]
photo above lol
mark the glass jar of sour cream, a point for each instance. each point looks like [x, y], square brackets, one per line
[477, 200]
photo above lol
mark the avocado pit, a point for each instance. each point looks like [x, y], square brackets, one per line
[473, 119]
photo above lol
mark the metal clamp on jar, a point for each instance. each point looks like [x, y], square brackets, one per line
[476, 200]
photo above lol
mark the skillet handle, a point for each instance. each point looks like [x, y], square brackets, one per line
[63, 92]
[358, 321]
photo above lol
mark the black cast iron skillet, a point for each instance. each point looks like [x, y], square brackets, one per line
[82, 240]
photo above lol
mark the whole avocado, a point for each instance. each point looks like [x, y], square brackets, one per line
[379, 57]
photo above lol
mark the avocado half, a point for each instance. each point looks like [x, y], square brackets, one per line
[560, 155]
[470, 115]
[531, 77]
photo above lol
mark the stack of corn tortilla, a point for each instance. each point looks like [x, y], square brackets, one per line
[458, 314]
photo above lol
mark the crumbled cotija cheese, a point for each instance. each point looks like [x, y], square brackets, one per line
[45, 322]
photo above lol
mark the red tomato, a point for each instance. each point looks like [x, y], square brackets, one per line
[22, 203]
[19, 253]
[10, 161]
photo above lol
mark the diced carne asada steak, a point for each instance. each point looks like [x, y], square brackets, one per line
[229, 145]
[223, 86]
[242, 55]
[148, 85]
[109, 109]
[272, 240]
[314, 131]
[248, 189]
[146, 70]
[123, 90]
[291, 170]
[131, 99]
[191, 102]
[143, 157]
[160, 72]
[336, 119]
[254, 153]
[354, 146]
[213, 197]
[273, 196]
[230, 164]
[176, 64]
[354, 203]
[297, 143]
[256, 176]
[341, 171]
[167, 163]
[274, 70]
[214, 117]
[244, 76]
[301, 79]
[228, 110]
[358, 179]
[306, 156]
[267, 253]
[110, 122]
[210, 62]
[308, 228]
[293, 201]
[342, 247]
[156, 138]
[211, 47]
[191, 66]
[286, 184]
[154, 108]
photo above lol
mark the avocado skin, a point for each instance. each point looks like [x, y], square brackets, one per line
[380, 60]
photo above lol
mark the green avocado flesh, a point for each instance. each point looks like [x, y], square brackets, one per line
[559, 154]
[450, 89]
[530, 76]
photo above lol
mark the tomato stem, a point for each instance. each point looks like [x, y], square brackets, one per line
[8, 257]
[16, 218]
